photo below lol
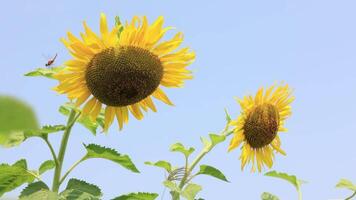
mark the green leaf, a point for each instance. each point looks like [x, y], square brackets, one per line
[206, 142]
[81, 190]
[41, 195]
[15, 117]
[179, 147]
[227, 116]
[91, 125]
[138, 196]
[96, 151]
[212, 171]
[216, 139]
[162, 164]
[45, 130]
[45, 72]
[347, 184]
[118, 23]
[172, 186]
[290, 178]
[13, 176]
[191, 191]
[268, 196]
[33, 188]
[47, 165]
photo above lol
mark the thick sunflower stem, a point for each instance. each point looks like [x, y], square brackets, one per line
[57, 173]
[175, 196]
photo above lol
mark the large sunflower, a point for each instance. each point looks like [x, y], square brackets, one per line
[123, 68]
[262, 117]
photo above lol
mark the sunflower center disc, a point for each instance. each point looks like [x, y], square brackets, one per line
[261, 125]
[123, 76]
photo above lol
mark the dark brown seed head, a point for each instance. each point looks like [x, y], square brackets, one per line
[124, 75]
[261, 125]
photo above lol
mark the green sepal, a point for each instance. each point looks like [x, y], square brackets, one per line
[96, 151]
[268, 196]
[162, 164]
[137, 196]
[227, 116]
[212, 171]
[45, 72]
[45, 166]
[179, 147]
[119, 24]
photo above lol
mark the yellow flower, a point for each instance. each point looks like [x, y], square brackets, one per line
[123, 70]
[262, 117]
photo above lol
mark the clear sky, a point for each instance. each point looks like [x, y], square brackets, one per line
[240, 46]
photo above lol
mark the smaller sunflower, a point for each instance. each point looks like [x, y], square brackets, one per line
[262, 117]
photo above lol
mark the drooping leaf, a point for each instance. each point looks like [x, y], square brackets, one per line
[15, 117]
[47, 165]
[268, 196]
[42, 195]
[216, 139]
[96, 151]
[137, 196]
[45, 130]
[33, 188]
[13, 176]
[80, 190]
[191, 190]
[212, 171]
[91, 125]
[172, 186]
[179, 147]
[162, 164]
[347, 184]
[45, 72]
[290, 178]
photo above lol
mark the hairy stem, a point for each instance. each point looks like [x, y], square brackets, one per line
[52, 150]
[71, 169]
[352, 196]
[57, 173]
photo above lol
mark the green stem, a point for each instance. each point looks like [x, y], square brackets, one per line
[350, 197]
[51, 149]
[225, 132]
[57, 173]
[299, 194]
[71, 169]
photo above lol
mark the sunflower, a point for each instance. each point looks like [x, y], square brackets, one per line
[262, 117]
[123, 68]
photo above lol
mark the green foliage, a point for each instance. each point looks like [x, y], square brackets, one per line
[162, 164]
[15, 117]
[268, 196]
[91, 125]
[45, 72]
[227, 116]
[96, 151]
[290, 178]
[45, 166]
[44, 131]
[80, 190]
[138, 196]
[346, 184]
[13, 176]
[212, 171]
[118, 23]
[172, 186]
[179, 147]
[191, 190]
[33, 188]
[42, 195]
[216, 139]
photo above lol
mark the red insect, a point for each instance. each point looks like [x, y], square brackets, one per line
[51, 61]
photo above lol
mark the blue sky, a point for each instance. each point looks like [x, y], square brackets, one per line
[240, 46]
